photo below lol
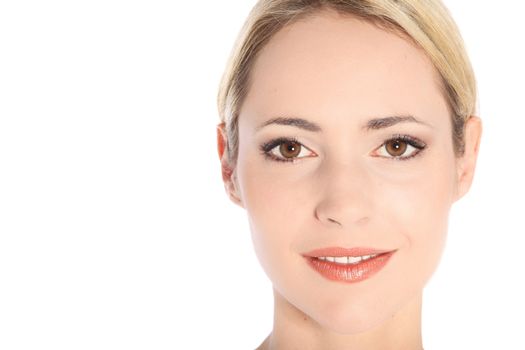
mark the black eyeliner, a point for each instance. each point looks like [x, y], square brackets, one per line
[268, 146]
[412, 141]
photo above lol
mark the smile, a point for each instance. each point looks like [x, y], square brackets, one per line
[350, 268]
[345, 260]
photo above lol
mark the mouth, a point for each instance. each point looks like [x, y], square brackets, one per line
[348, 265]
[346, 260]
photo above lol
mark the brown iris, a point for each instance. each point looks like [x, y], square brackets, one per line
[290, 149]
[396, 148]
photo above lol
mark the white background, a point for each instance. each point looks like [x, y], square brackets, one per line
[115, 230]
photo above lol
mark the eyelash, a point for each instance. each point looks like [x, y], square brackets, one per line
[267, 147]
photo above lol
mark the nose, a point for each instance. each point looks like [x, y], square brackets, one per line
[346, 195]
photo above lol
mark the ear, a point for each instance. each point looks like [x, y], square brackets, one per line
[228, 170]
[466, 165]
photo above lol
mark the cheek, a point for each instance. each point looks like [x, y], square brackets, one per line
[270, 205]
[420, 211]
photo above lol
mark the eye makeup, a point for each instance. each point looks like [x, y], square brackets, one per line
[403, 139]
[414, 142]
[267, 147]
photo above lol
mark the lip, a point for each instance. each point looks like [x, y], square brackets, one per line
[351, 273]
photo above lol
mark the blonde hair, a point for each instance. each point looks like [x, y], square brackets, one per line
[426, 23]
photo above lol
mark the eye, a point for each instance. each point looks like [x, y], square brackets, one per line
[285, 150]
[399, 146]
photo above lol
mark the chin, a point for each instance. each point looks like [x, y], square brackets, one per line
[365, 313]
[351, 319]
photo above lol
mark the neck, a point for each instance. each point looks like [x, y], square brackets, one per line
[293, 329]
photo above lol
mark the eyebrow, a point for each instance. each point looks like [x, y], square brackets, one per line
[381, 123]
[297, 122]
[372, 124]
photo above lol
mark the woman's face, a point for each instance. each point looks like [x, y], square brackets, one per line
[345, 187]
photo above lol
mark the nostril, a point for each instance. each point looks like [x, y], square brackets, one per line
[332, 220]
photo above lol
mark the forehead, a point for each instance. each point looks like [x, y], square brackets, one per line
[341, 66]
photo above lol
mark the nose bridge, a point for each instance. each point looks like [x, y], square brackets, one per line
[346, 193]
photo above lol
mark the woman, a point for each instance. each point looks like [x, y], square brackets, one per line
[348, 129]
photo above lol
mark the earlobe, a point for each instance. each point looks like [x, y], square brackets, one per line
[233, 190]
[228, 173]
[467, 163]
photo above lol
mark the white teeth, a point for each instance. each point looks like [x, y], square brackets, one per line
[353, 260]
[341, 259]
[346, 259]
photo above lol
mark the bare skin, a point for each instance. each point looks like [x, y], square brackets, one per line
[344, 188]
[402, 331]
